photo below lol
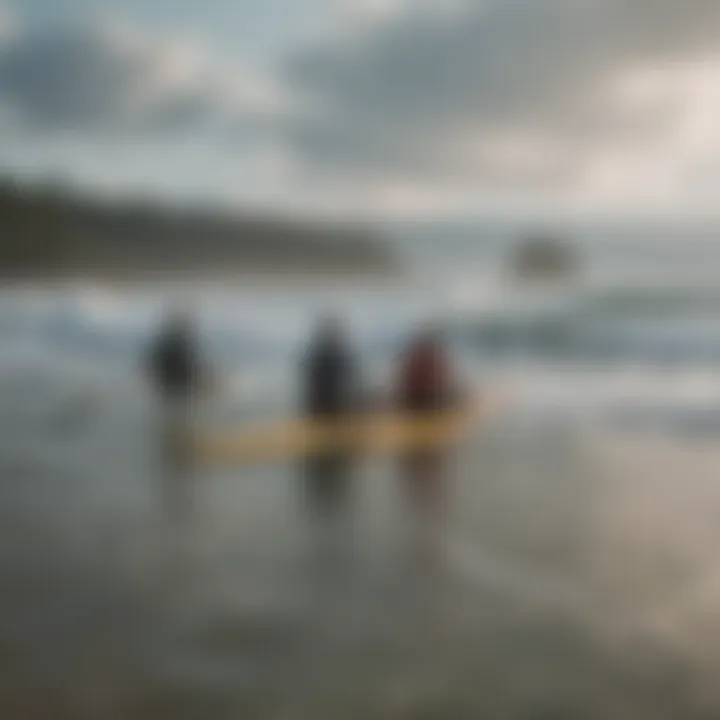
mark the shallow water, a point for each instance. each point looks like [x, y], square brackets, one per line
[574, 575]
[541, 604]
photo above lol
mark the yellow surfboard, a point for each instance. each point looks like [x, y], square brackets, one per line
[370, 434]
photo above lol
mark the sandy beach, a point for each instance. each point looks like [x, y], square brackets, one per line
[561, 589]
[574, 575]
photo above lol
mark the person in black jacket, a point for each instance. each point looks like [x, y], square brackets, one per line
[176, 373]
[174, 360]
[329, 395]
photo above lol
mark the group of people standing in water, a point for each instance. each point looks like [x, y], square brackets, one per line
[425, 382]
[331, 391]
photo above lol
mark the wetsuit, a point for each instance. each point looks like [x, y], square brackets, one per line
[174, 370]
[174, 366]
[328, 396]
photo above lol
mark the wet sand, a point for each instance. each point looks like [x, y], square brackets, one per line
[576, 580]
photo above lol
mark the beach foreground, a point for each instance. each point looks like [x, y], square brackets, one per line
[572, 582]
[573, 575]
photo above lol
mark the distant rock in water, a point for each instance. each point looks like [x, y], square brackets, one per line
[545, 259]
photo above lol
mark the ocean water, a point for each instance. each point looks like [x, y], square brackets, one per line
[575, 575]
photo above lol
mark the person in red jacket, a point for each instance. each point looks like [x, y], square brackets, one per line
[427, 383]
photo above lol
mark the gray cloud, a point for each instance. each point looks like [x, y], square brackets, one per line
[401, 97]
[103, 78]
[435, 93]
[93, 77]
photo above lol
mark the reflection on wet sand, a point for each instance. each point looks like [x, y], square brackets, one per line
[576, 581]
[653, 567]
[176, 470]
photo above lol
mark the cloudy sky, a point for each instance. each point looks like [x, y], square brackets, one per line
[372, 107]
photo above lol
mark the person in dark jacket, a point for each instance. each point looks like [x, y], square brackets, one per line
[174, 360]
[329, 395]
[176, 374]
